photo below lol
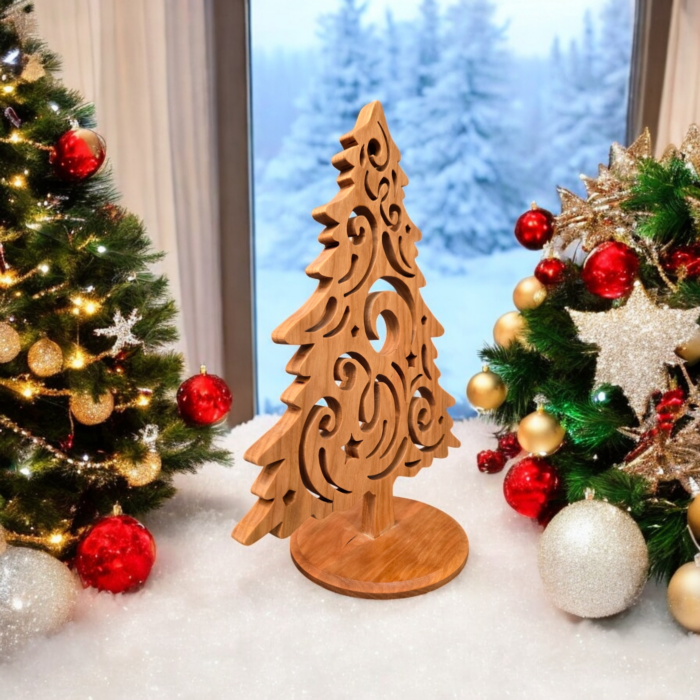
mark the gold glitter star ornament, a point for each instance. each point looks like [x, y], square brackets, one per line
[636, 342]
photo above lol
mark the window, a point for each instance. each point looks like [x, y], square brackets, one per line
[492, 103]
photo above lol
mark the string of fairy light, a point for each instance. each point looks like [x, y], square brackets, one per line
[82, 305]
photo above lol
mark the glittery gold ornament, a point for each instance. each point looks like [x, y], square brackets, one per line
[694, 517]
[540, 433]
[23, 20]
[486, 390]
[10, 344]
[529, 293]
[683, 596]
[508, 329]
[140, 473]
[45, 358]
[690, 148]
[89, 412]
[593, 559]
[600, 217]
[33, 68]
[690, 350]
[635, 343]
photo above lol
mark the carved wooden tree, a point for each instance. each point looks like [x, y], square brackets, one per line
[359, 417]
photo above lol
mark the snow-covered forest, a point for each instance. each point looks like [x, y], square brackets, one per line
[482, 130]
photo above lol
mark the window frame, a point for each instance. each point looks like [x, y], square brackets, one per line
[229, 31]
[228, 27]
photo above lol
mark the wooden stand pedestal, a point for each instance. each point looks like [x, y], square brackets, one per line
[425, 549]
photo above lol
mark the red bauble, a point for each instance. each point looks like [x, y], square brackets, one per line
[534, 228]
[549, 511]
[550, 271]
[204, 399]
[684, 259]
[490, 461]
[530, 485]
[509, 445]
[78, 154]
[116, 555]
[610, 270]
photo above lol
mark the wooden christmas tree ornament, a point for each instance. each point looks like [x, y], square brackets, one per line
[358, 416]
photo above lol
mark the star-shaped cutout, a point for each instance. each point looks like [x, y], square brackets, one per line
[635, 343]
[351, 448]
[122, 331]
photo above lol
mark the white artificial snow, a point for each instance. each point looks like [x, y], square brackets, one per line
[219, 620]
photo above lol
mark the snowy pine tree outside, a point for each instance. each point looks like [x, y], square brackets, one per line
[493, 103]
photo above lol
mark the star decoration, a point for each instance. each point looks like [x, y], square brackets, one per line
[662, 456]
[33, 69]
[670, 459]
[635, 343]
[121, 331]
[599, 217]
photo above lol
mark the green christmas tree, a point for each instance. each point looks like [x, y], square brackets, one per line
[605, 346]
[87, 382]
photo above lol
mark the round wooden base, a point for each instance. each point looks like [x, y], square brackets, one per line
[424, 550]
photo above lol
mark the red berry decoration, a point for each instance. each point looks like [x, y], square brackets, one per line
[78, 155]
[509, 445]
[610, 270]
[683, 260]
[204, 399]
[534, 228]
[116, 555]
[530, 485]
[550, 271]
[669, 409]
[491, 461]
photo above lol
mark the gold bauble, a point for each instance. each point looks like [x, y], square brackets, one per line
[684, 596]
[694, 518]
[690, 350]
[45, 358]
[540, 434]
[143, 472]
[508, 329]
[10, 344]
[486, 390]
[89, 412]
[529, 293]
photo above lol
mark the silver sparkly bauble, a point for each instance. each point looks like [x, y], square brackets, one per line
[593, 559]
[37, 595]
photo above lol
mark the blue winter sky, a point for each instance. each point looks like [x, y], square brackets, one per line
[532, 24]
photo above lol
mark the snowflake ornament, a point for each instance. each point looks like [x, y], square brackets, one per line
[122, 331]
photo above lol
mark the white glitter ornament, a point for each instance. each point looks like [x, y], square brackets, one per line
[37, 595]
[593, 559]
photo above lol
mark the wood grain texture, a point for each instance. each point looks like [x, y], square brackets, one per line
[358, 415]
[424, 550]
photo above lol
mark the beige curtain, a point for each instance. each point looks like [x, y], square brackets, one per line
[680, 101]
[145, 65]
